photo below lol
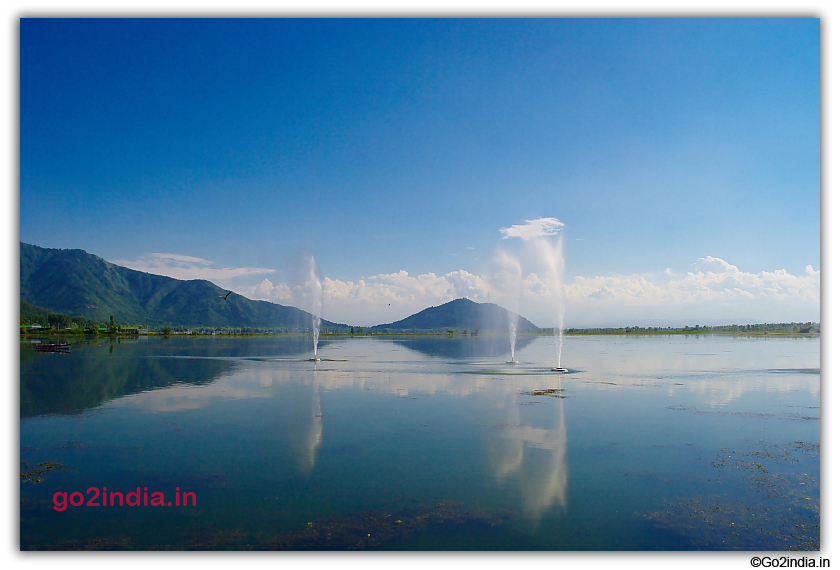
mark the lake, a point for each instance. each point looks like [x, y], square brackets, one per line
[675, 442]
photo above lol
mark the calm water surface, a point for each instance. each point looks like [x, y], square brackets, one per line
[433, 443]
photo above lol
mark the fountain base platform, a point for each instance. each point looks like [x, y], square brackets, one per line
[314, 360]
[560, 370]
[511, 362]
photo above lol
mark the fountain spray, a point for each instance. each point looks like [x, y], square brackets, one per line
[507, 277]
[314, 288]
[555, 262]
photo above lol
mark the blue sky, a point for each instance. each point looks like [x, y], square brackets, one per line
[682, 156]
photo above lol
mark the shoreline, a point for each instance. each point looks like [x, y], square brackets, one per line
[70, 334]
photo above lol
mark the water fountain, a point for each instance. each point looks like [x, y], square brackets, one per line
[314, 290]
[512, 322]
[538, 234]
[507, 278]
[555, 262]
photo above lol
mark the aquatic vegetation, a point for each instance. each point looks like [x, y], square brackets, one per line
[759, 415]
[369, 530]
[553, 392]
[785, 517]
[713, 523]
[122, 543]
[375, 529]
[35, 474]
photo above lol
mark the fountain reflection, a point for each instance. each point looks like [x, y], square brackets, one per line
[295, 419]
[506, 277]
[307, 447]
[531, 461]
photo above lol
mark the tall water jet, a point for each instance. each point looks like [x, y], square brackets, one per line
[308, 293]
[555, 263]
[507, 279]
[512, 318]
[539, 232]
[315, 286]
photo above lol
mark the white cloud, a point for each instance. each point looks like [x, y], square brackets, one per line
[398, 295]
[187, 267]
[268, 291]
[382, 298]
[533, 228]
[715, 264]
[723, 281]
[717, 291]
[720, 292]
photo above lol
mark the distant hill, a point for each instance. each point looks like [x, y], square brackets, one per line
[76, 283]
[459, 315]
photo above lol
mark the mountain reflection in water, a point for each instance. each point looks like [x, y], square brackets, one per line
[461, 346]
[97, 372]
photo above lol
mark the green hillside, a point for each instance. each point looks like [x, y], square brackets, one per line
[458, 315]
[74, 282]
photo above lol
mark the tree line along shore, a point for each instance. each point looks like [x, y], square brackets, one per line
[38, 322]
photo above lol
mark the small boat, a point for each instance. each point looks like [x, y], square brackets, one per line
[53, 347]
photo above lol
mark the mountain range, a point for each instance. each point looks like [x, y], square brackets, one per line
[77, 283]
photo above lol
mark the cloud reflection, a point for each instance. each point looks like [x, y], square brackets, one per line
[532, 460]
